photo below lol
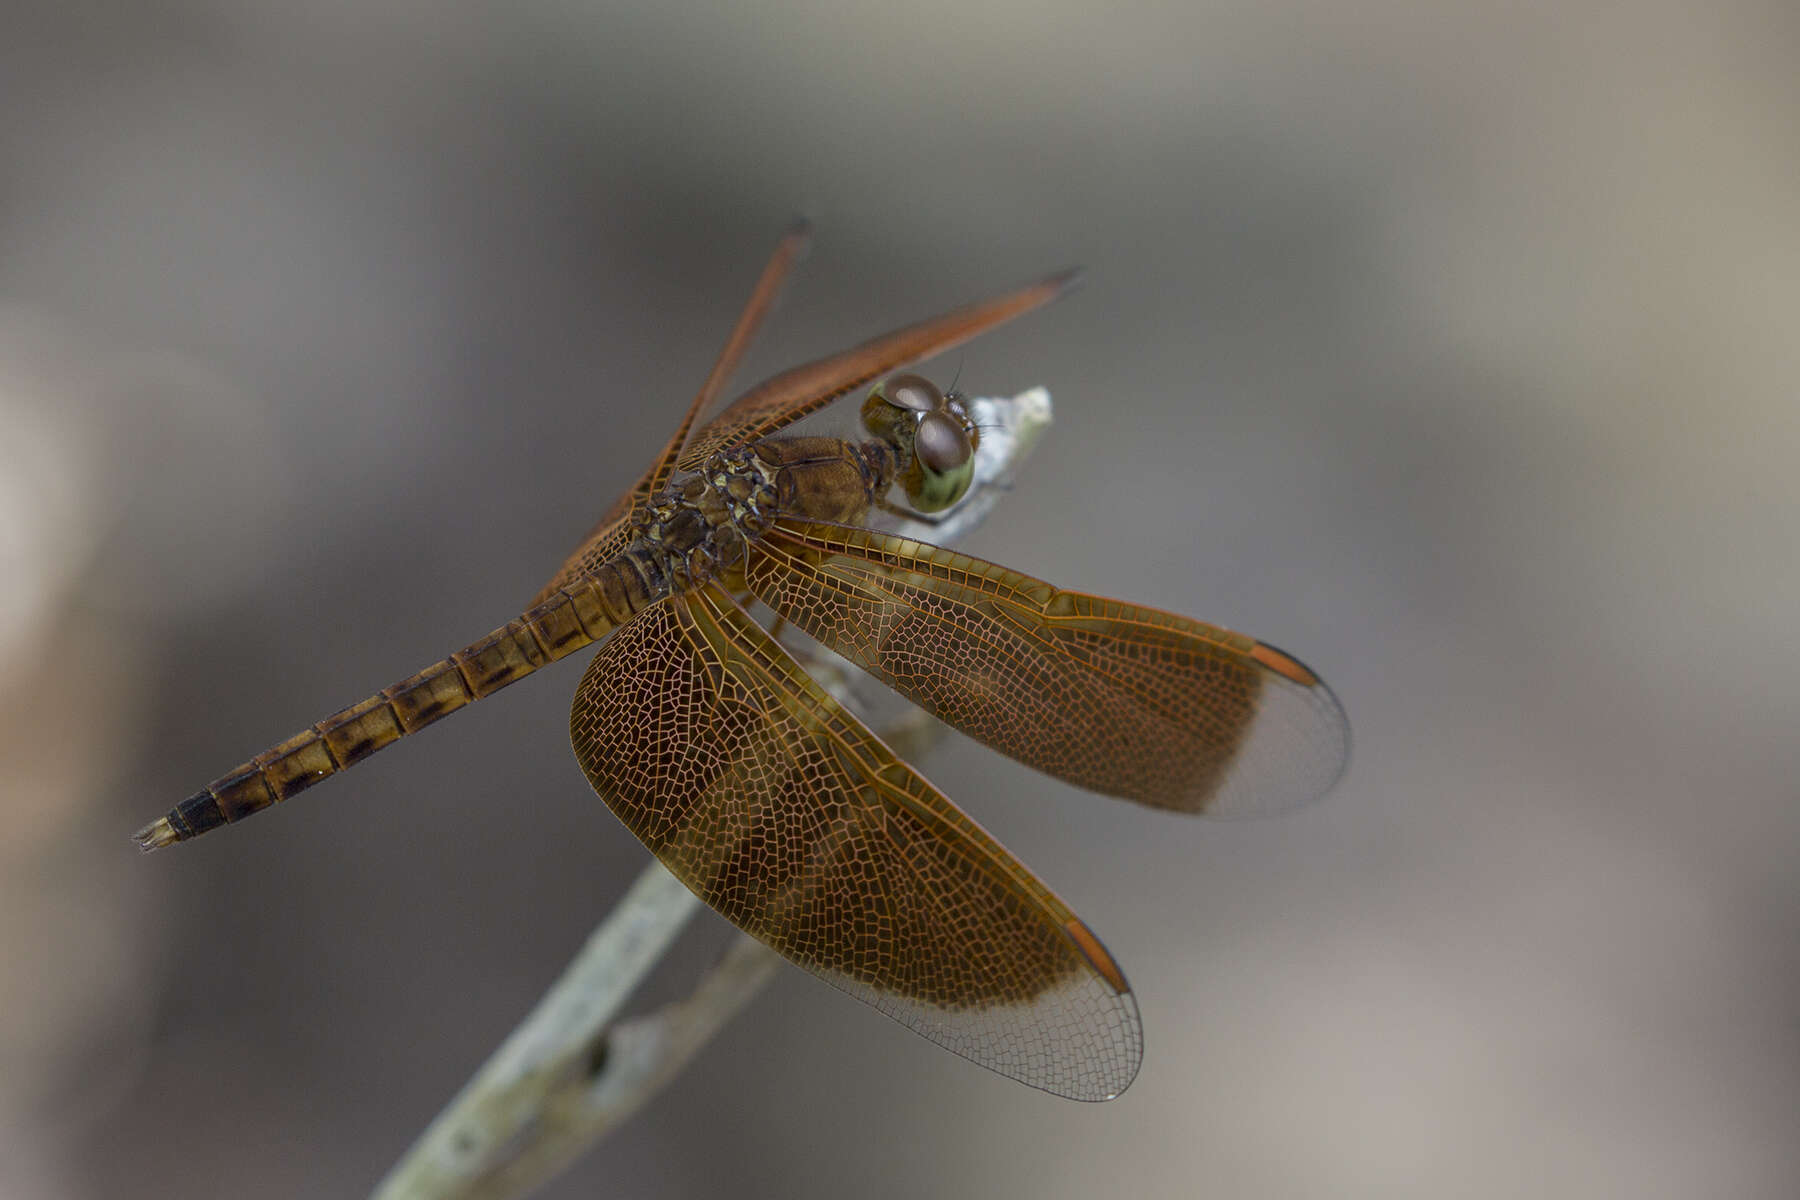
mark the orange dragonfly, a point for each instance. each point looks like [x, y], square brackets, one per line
[780, 808]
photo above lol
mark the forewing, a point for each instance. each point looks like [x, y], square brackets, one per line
[784, 399]
[756, 309]
[611, 534]
[782, 811]
[1113, 697]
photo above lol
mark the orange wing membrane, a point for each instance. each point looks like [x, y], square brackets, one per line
[613, 531]
[782, 811]
[776, 403]
[1113, 697]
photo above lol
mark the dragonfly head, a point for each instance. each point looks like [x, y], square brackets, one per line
[932, 435]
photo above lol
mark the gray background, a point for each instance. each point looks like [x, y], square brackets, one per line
[1453, 351]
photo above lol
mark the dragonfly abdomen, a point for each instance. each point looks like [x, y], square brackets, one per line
[577, 615]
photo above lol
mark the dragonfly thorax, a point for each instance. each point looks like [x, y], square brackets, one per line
[703, 524]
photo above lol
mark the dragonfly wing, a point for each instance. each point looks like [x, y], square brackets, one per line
[1113, 697]
[781, 810]
[762, 298]
[784, 399]
[610, 535]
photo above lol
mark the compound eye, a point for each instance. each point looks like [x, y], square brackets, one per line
[941, 444]
[945, 461]
[957, 405]
[914, 392]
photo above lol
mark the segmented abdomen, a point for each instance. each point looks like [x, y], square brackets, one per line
[579, 614]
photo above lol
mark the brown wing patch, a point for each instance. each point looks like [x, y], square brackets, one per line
[1114, 697]
[780, 809]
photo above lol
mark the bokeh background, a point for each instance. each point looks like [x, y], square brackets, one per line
[1452, 348]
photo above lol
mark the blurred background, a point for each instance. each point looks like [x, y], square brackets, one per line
[1452, 350]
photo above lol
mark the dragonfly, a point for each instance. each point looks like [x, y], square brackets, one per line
[768, 797]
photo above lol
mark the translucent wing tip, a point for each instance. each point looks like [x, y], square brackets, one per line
[1298, 748]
